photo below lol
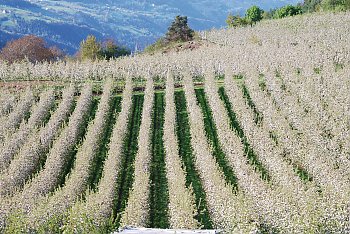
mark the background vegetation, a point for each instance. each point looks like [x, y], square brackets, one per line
[255, 13]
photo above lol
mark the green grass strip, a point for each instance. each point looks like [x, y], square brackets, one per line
[159, 197]
[53, 108]
[45, 154]
[104, 147]
[257, 115]
[248, 150]
[300, 171]
[130, 147]
[211, 133]
[83, 131]
[186, 153]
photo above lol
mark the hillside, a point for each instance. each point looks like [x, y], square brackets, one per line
[134, 23]
[249, 133]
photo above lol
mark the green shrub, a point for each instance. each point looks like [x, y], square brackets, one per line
[254, 14]
[234, 21]
[286, 11]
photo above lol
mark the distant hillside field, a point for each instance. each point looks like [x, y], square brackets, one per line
[132, 23]
[247, 133]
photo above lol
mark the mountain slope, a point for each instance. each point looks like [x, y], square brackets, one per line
[132, 22]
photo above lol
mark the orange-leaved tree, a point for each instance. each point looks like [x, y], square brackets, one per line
[31, 48]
